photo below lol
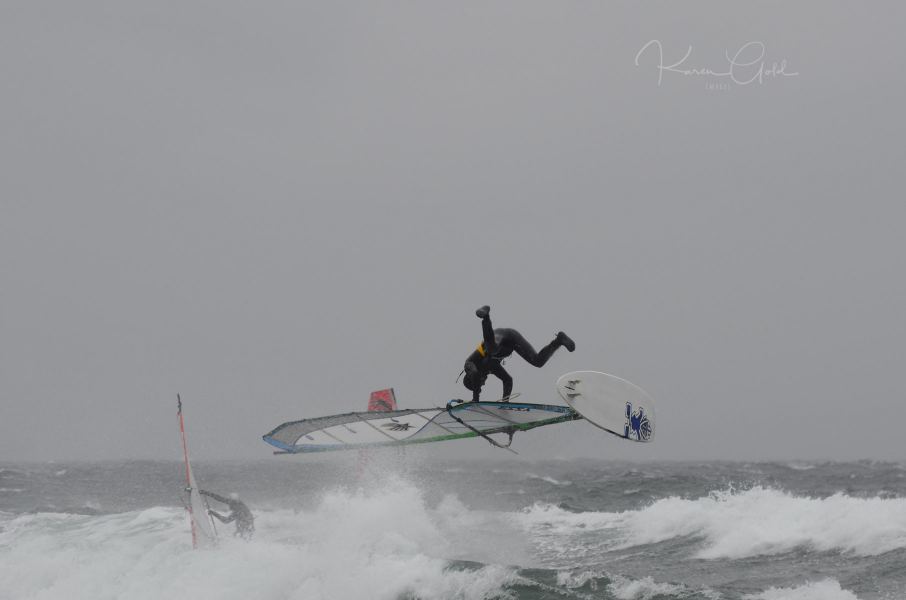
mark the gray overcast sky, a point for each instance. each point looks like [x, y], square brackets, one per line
[274, 208]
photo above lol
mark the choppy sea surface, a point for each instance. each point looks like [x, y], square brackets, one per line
[398, 526]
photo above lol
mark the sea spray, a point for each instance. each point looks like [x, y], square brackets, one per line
[828, 589]
[761, 521]
[407, 528]
[382, 544]
[738, 524]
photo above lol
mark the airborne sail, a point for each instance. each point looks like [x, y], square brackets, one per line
[413, 426]
[606, 401]
[379, 401]
[203, 533]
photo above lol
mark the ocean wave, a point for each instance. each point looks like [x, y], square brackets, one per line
[621, 587]
[384, 544]
[828, 589]
[731, 524]
[547, 479]
[624, 588]
[800, 466]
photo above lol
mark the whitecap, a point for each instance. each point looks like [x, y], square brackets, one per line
[828, 589]
[731, 524]
[382, 544]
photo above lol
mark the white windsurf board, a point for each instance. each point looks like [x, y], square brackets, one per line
[613, 404]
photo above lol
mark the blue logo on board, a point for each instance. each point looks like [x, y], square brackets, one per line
[637, 425]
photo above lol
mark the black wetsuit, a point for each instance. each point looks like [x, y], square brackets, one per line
[497, 345]
[239, 512]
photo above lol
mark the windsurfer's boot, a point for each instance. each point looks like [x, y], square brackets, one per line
[483, 312]
[566, 341]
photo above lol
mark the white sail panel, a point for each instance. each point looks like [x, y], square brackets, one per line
[366, 429]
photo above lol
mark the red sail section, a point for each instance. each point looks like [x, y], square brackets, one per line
[382, 400]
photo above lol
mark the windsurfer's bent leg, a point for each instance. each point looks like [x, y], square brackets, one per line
[500, 373]
[538, 359]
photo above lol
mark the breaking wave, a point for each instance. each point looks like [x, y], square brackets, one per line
[730, 524]
[383, 545]
[829, 589]
[391, 544]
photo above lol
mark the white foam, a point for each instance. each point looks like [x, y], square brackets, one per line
[800, 466]
[383, 544]
[646, 588]
[829, 589]
[578, 579]
[554, 518]
[766, 521]
[626, 588]
[758, 521]
[547, 479]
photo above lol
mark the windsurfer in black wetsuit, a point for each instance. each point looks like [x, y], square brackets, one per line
[497, 345]
[239, 512]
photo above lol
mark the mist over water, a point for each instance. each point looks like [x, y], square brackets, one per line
[397, 526]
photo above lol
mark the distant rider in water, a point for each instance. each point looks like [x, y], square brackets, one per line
[239, 512]
[499, 344]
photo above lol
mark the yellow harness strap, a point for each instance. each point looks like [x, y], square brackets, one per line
[481, 349]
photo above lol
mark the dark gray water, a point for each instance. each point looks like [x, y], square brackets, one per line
[400, 526]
